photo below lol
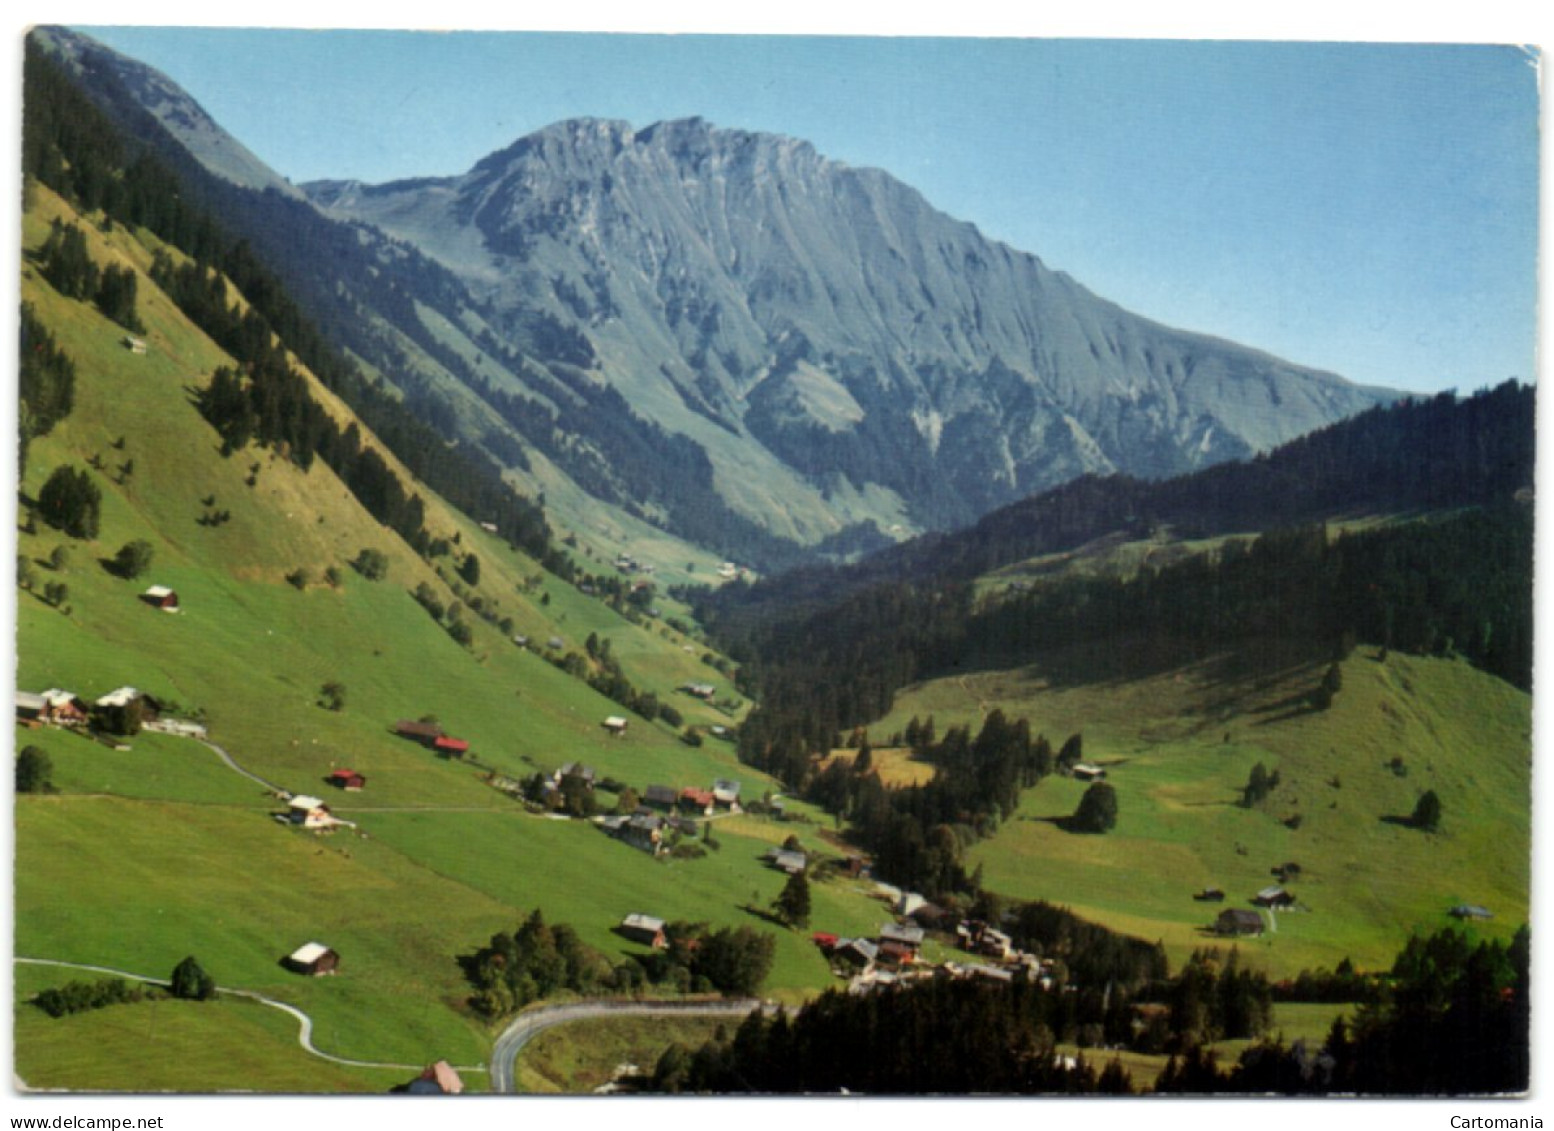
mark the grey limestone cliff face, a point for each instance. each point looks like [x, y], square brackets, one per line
[831, 317]
[716, 328]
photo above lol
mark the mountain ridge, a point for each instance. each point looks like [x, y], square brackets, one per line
[730, 249]
[842, 364]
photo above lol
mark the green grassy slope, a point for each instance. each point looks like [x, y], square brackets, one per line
[160, 851]
[1178, 748]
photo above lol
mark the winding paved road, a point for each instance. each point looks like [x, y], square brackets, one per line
[504, 1055]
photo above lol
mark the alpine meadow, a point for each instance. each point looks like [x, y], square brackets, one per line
[668, 610]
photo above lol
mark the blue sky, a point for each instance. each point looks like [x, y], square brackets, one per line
[1369, 209]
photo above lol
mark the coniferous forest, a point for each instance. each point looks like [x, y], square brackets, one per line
[1458, 581]
[69, 146]
[1450, 1018]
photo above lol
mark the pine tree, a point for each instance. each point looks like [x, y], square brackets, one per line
[1097, 812]
[793, 902]
[133, 559]
[191, 982]
[34, 771]
[1427, 813]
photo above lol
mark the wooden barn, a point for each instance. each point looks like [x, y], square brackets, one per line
[1238, 922]
[424, 733]
[161, 597]
[348, 780]
[660, 797]
[309, 812]
[1274, 897]
[645, 929]
[693, 800]
[313, 959]
[787, 860]
[450, 747]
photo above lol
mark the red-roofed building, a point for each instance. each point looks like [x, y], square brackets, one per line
[698, 801]
[347, 780]
[453, 747]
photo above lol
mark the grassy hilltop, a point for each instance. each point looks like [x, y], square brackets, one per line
[1179, 747]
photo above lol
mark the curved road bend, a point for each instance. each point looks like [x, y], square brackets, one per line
[504, 1055]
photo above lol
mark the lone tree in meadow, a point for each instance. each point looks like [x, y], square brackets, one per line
[371, 564]
[34, 771]
[191, 982]
[1097, 812]
[1427, 813]
[133, 559]
[71, 502]
[332, 696]
[792, 904]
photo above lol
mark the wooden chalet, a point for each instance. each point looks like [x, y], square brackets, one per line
[644, 831]
[1274, 897]
[161, 597]
[348, 780]
[661, 797]
[1471, 911]
[313, 959]
[645, 929]
[124, 696]
[30, 709]
[725, 795]
[1238, 922]
[700, 801]
[309, 812]
[416, 731]
[896, 953]
[125, 710]
[856, 952]
[787, 860]
[911, 938]
[585, 774]
[615, 724]
[988, 973]
[53, 707]
[450, 747]
[995, 944]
